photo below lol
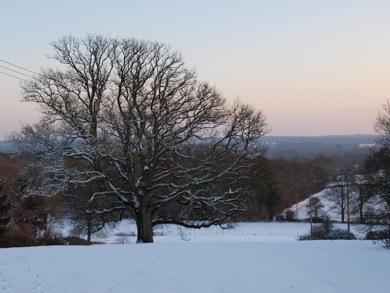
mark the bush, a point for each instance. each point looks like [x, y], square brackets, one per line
[124, 237]
[374, 235]
[124, 234]
[123, 240]
[290, 216]
[317, 220]
[19, 236]
[54, 240]
[318, 230]
[338, 234]
[280, 218]
[327, 225]
[320, 234]
[326, 232]
[23, 235]
[74, 240]
[380, 236]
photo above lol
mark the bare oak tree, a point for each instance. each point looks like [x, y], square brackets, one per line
[136, 121]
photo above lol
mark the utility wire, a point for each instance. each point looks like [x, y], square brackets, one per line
[15, 71]
[19, 67]
[13, 76]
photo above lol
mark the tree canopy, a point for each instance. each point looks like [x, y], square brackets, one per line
[129, 116]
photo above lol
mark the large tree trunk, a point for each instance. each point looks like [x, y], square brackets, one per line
[144, 226]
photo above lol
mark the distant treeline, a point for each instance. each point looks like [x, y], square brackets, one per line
[327, 139]
[345, 146]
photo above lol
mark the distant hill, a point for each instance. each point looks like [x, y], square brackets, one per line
[307, 146]
[311, 146]
[5, 146]
[327, 139]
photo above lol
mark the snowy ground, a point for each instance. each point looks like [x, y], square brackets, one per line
[244, 232]
[256, 257]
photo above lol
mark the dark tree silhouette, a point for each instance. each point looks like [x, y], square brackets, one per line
[142, 127]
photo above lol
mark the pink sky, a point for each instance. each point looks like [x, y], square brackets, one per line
[313, 67]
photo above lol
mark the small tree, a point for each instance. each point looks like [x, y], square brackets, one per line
[82, 211]
[316, 207]
[362, 194]
[337, 194]
[327, 225]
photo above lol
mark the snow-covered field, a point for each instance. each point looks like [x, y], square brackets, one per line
[244, 232]
[256, 257]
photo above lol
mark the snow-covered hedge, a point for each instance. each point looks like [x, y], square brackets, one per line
[335, 234]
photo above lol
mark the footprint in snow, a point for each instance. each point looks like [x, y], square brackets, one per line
[37, 283]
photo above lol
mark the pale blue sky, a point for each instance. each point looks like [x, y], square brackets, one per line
[313, 67]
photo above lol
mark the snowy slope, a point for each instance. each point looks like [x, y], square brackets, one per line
[230, 265]
[328, 209]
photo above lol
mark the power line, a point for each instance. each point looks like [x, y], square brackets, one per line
[15, 71]
[13, 76]
[19, 67]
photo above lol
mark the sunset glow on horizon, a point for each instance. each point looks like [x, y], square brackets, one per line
[313, 67]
